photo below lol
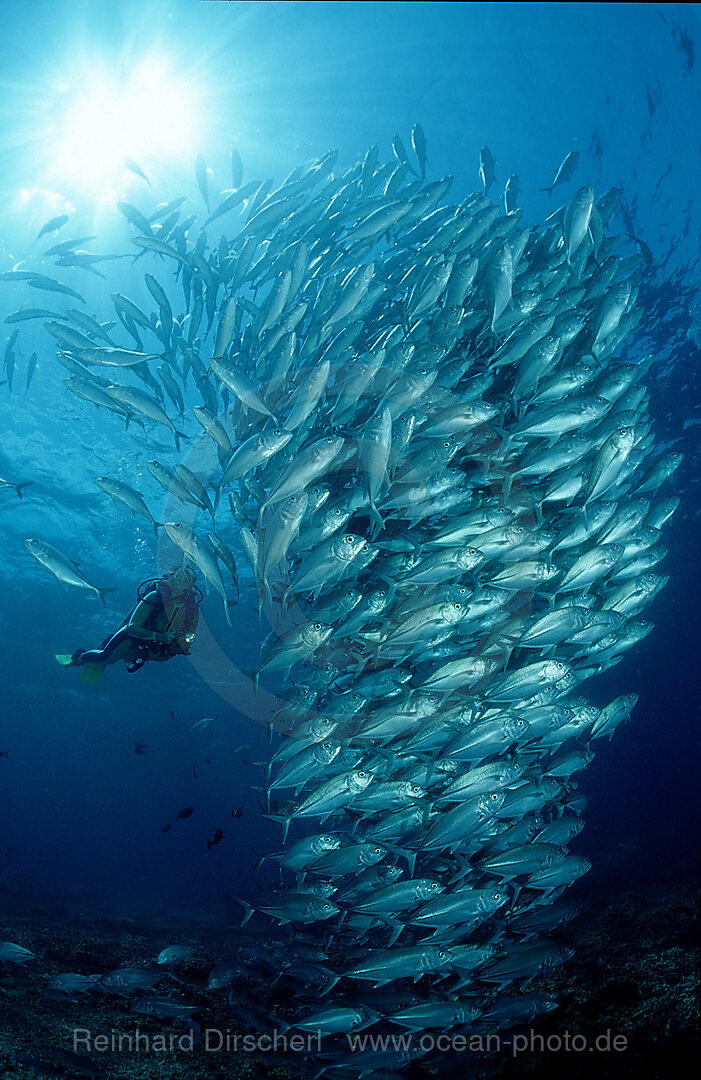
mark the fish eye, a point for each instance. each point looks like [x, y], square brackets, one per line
[318, 626]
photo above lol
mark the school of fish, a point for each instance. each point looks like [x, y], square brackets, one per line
[433, 450]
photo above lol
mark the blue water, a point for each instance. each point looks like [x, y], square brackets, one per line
[285, 83]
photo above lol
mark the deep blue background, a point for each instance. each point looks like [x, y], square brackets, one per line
[285, 82]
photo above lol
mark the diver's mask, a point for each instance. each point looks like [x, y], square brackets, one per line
[180, 580]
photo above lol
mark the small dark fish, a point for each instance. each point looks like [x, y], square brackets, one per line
[400, 153]
[41, 281]
[418, 141]
[134, 167]
[135, 218]
[564, 172]
[172, 714]
[511, 194]
[68, 246]
[487, 170]
[32, 313]
[54, 225]
[31, 368]
[10, 853]
[208, 761]
[237, 813]
[194, 772]
[140, 747]
[186, 811]
[166, 828]
[217, 838]
[4, 753]
[10, 358]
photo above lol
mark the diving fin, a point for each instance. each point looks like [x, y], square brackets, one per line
[65, 659]
[92, 673]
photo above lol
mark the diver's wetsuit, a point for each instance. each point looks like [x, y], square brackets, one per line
[156, 629]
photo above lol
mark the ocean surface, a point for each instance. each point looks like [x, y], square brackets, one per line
[81, 813]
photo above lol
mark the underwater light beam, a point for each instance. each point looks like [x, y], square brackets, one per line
[147, 115]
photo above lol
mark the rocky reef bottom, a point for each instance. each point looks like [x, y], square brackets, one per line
[629, 998]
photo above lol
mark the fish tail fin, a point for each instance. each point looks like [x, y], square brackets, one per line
[264, 587]
[404, 853]
[248, 909]
[227, 610]
[261, 858]
[259, 611]
[548, 189]
[397, 928]
[284, 601]
[377, 519]
[284, 822]
[254, 676]
[102, 593]
[330, 985]
[178, 435]
[19, 487]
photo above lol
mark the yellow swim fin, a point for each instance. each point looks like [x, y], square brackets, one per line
[92, 673]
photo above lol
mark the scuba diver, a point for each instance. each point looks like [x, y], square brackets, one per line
[160, 625]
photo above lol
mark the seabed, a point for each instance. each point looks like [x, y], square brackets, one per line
[635, 973]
